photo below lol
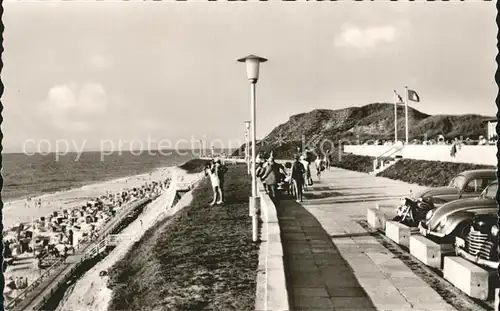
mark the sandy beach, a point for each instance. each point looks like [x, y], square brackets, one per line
[18, 211]
[90, 292]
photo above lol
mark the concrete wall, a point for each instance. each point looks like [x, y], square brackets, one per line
[271, 292]
[467, 154]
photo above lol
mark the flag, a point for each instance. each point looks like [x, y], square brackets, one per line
[413, 96]
[400, 99]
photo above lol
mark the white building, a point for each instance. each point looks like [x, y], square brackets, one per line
[492, 124]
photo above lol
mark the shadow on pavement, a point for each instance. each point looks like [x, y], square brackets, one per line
[351, 235]
[353, 200]
[318, 277]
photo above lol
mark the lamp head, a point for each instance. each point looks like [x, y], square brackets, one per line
[252, 63]
[247, 124]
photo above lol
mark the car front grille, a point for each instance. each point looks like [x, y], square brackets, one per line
[478, 244]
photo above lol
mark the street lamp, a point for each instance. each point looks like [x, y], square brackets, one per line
[253, 63]
[247, 143]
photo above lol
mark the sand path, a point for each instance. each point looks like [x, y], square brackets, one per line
[91, 292]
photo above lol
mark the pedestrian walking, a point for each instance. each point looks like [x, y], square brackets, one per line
[298, 172]
[221, 171]
[271, 178]
[319, 167]
[453, 150]
[259, 173]
[307, 173]
[326, 159]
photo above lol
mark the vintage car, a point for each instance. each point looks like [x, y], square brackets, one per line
[452, 219]
[468, 184]
[480, 241]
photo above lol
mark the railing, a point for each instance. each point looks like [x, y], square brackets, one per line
[88, 254]
[189, 185]
[33, 285]
[388, 153]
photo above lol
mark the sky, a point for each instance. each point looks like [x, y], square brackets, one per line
[96, 74]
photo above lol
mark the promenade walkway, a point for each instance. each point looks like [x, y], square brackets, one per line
[333, 263]
[318, 277]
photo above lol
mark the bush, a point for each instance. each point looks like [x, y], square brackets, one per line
[354, 162]
[427, 173]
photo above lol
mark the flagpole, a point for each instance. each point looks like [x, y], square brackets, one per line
[406, 113]
[395, 118]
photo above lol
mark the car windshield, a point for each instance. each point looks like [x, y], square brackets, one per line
[457, 182]
[490, 192]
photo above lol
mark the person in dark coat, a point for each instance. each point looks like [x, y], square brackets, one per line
[298, 172]
[271, 177]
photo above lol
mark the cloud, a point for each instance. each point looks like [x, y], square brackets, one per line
[366, 38]
[71, 107]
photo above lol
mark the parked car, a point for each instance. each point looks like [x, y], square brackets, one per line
[452, 219]
[468, 184]
[480, 241]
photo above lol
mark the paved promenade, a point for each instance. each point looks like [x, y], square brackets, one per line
[333, 263]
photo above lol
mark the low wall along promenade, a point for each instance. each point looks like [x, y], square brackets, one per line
[485, 155]
[271, 292]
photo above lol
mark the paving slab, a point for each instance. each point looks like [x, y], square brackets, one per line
[317, 276]
[355, 271]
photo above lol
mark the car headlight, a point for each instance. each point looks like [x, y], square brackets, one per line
[494, 230]
[428, 215]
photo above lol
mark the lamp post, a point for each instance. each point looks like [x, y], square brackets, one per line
[252, 63]
[247, 145]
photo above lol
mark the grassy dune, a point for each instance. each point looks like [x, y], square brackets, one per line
[202, 258]
[421, 172]
[194, 166]
[427, 173]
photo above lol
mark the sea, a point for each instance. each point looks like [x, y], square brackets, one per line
[31, 175]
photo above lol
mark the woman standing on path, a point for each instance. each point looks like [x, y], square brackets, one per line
[211, 171]
[221, 170]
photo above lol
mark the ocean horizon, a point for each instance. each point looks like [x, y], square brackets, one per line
[33, 175]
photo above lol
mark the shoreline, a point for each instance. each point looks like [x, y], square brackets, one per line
[77, 197]
[20, 211]
[85, 184]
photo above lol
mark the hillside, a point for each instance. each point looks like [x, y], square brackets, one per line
[373, 121]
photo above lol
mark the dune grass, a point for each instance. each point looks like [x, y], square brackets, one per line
[202, 258]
